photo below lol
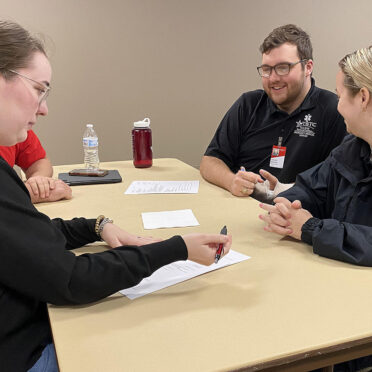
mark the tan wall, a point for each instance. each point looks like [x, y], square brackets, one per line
[181, 63]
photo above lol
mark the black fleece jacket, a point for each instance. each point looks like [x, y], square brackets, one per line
[37, 267]
[337, 192]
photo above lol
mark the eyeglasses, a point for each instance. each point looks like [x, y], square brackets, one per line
[41, 88]
[280, 69]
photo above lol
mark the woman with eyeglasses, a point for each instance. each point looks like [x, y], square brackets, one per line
[36, 265]
[30, 156]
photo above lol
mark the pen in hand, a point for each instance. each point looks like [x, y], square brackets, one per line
[220, 246]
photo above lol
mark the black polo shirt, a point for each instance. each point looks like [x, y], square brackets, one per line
[254, 124]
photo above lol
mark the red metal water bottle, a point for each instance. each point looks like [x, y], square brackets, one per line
[142, 144]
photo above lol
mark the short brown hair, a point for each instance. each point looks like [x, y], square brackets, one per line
[289, 34]
[17, 46]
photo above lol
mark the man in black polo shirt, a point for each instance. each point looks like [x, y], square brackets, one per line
[286, 128]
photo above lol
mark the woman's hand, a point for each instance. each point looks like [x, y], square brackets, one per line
[202, 248]
[271, 187]
[114, 236]
[285, 218]
[272, 180]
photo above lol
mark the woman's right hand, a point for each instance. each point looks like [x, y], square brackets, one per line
[202, 248]
[272, 187]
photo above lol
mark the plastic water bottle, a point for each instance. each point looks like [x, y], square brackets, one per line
[142, 144]
[90, 145]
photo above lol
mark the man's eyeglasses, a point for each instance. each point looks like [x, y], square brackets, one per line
[41, 89]
[280, 69]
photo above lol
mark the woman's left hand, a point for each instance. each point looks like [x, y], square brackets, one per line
[114, 236]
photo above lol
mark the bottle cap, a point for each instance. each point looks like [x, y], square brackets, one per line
[90, 125]
[142, 123]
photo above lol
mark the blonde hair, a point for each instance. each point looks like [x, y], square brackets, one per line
[357, 68]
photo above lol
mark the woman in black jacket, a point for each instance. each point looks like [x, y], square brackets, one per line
[36, 265]
[330, 204]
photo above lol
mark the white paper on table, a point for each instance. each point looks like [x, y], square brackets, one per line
[167, 219]
[177, 272]
[163, 187]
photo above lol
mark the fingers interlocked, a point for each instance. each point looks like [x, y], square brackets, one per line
[277, 218]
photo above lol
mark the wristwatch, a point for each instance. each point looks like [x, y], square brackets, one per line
[308, 228]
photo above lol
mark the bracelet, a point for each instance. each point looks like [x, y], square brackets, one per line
[102, 225]
[98, 221]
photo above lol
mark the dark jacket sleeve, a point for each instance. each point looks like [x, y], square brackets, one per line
[34, 261]
[342, 241]
[77, 232]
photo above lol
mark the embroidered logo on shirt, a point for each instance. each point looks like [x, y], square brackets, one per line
[306, 127]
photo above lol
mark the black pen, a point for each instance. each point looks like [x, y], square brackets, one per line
[220, 246]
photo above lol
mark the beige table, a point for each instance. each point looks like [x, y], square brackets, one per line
[284, 305]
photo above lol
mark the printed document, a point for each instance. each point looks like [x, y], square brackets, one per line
[163, 187]
[177, 272]
[167, 219]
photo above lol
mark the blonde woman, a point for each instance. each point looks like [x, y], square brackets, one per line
[330, 204]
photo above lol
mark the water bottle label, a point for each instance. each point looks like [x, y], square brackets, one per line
[90, 142]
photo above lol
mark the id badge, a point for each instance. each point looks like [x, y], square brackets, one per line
[277, 156]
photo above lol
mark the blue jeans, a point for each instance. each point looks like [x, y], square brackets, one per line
[47, 362]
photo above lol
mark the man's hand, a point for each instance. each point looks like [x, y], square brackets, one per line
[41, 186]
[114, 236]
[243, 183]
[285, 218]
[44, 189]
[217, 172]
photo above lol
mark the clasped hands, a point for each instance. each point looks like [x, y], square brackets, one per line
[285, 217]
